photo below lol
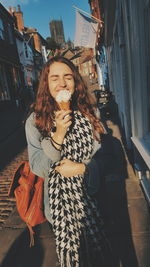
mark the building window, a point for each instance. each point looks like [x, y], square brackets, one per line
[16, 79]
[26, 49]
[10, 34]
[4, 91]
[1, 30]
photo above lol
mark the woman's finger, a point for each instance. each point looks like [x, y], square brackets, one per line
[66, 119]
[62, 114]
[67, 124]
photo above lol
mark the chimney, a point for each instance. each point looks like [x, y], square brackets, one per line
[19, 19]
[37, 42]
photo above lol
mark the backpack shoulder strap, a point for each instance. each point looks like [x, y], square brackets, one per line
[23, 168]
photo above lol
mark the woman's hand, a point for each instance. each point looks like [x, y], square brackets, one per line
[63, 121]
[70, 168]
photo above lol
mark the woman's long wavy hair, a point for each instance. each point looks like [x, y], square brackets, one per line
[45, 105]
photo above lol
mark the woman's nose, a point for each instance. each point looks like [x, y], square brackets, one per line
[62, 82]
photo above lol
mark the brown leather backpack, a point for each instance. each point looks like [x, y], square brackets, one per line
[27, 188]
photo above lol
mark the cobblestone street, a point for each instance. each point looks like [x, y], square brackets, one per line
[7, 204]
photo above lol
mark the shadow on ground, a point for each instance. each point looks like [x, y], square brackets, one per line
[114, 205]
[42, 254]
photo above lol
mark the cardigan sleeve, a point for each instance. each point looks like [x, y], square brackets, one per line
[104, 162]
[94, 175]
[41, 153]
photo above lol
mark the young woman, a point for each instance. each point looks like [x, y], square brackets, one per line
[63, 148]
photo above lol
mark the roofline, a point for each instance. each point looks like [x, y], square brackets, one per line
[6, 12]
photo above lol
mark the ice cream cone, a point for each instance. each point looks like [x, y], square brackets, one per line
[64, 105]
[63, 99]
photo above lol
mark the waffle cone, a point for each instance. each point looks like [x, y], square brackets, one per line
[64, 105]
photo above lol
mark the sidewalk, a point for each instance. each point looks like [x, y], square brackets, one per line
[128, 214]
[15, 250]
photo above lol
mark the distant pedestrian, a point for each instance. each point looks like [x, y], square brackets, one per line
[63, 143]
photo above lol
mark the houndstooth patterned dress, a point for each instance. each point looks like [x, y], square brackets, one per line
[76, 223]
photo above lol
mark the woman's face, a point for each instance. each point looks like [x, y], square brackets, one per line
[60, 77]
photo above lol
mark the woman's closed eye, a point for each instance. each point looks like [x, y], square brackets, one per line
[69, 77]
[54, 79]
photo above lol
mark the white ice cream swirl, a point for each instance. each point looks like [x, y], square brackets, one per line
[63, 95]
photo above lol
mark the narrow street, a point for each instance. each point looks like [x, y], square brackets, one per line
[124, 209]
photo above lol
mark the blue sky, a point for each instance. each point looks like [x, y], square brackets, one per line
[38, 13]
